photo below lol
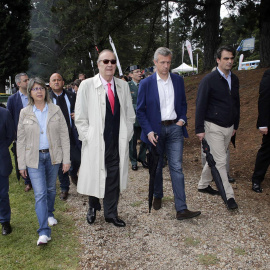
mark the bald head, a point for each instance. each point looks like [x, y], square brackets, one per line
[57, 83]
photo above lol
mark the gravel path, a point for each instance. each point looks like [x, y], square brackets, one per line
[218, 239]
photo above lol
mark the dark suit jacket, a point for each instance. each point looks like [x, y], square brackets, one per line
[148, 104]
[7, 133]
[264, 101]
[72, 99]
[14, 105]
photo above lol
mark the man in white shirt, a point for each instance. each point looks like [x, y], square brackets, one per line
[161, 109]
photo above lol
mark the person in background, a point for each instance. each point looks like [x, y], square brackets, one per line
[76, 84]
[81, 76]
[7, 133]
[161, 109]
[263, 124]
[135, 75]
[66, 101]
[43, 144]
[15, 103]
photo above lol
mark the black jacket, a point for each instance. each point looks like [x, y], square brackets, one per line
[216, 103]
[264, 101]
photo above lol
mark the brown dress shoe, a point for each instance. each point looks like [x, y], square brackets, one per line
[63, 195]
[28, 187]
[157, 203]
[185, 214]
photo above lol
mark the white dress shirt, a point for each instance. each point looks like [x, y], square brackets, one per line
[166, 98]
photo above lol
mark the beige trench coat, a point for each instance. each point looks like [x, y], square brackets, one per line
[90, 110]
[28, 137]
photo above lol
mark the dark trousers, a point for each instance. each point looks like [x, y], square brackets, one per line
[4, 199]
[262, 160]
[75, 156]
[111, 197]
[133, 147]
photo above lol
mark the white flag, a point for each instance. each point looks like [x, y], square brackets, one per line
[240, 61]
[189, 49]
[183, 51]
[118, 62]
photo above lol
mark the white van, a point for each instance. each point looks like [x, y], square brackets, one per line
[249, 65]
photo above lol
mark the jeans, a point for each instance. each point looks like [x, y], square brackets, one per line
[43, 182]
[171, 141]
[4, 199]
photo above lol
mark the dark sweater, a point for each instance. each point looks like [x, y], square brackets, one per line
[216, 103]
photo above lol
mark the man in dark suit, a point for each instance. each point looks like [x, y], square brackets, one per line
[14, 104]
[263, 123]
[66, 101]
[135, 74]
[7, 133]
[161, 109]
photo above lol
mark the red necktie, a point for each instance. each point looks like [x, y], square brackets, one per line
[111, 97]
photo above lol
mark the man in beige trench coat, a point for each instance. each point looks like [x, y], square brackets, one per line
[104, 117]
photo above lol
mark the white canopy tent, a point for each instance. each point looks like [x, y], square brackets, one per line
[184, 68]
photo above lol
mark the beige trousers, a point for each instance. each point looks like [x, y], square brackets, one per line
[218, 139]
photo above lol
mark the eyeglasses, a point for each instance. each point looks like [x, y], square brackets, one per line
[38, 88]
[106, 61]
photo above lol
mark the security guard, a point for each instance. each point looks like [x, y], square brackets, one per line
[135, 74]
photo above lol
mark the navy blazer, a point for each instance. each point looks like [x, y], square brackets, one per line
[14, 105]
[7, 133]
[148, 105]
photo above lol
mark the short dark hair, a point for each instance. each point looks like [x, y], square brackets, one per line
[224, 48]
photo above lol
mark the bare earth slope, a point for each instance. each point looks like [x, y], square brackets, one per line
[218, 239]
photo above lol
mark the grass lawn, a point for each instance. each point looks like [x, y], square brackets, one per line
[19, 249]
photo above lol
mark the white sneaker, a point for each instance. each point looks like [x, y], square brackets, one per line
[52, 221]
[43, 239]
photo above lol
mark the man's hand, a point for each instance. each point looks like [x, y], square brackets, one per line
[72, 115]
[180, 123]
[23, 173]
[200, 136]
[263, 131]
[152, 139]
[65, 168]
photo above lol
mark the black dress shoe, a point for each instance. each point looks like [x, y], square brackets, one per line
[231, 180]
[209, 190]
[63, 195]
[116, 221]
[91, 215]
[6, 228]
[231, 204]
[185, 214]
[134, 167]
[157, 203]
[257, 188]
[144, 163]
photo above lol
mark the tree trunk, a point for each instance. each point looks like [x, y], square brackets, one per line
[211, 36]
[265, 33]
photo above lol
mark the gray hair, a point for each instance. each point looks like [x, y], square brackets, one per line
[18, 77]
[31, 83]
[162, 51]
[106, 50]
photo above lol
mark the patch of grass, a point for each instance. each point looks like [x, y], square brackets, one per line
[239, 251]
[136, 204]
[168, 199]
[190, 241]
[208, 259]
[19, 250]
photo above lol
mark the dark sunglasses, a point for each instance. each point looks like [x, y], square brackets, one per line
[106, 61]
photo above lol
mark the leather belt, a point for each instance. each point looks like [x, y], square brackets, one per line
[168, 122]
[44, 151]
